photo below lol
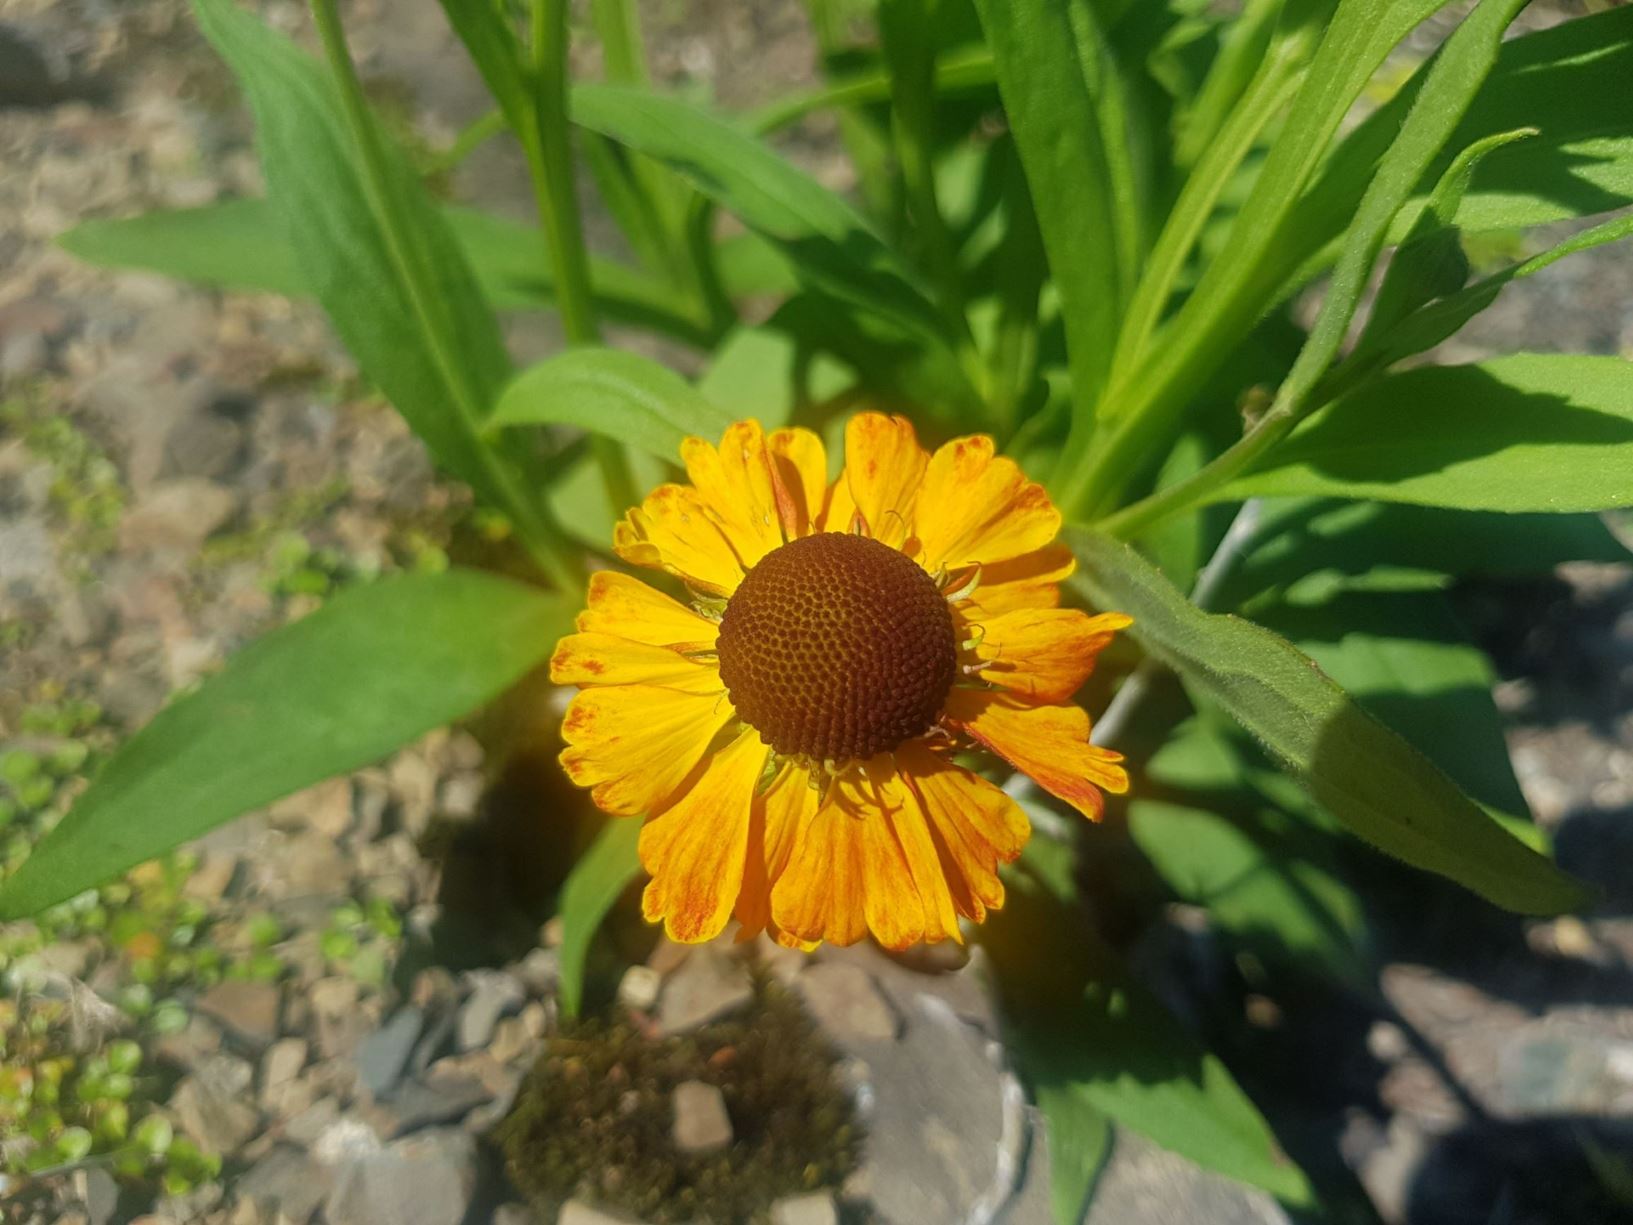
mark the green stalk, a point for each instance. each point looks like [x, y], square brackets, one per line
[619, 30]
[547, 142]
[537, 531]
[1272, 88]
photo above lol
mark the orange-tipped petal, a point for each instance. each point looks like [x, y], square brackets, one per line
[622, 605]
[976, 827]
[1050, 744]
[672, 531]
[884, 467]
[635, 744]
[1029, 581]
[734, 482]
[1046, 653]
[978, 508]
[696, 849]
[606, 659]
[799, 471]
[780, 812]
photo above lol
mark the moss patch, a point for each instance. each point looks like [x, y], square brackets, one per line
[594, 1117]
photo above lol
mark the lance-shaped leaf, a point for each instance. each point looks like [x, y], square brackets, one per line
[614, 393]
[1527, 432]
[827, 241]
[594, 884]
[374, 668]
[1373, 781]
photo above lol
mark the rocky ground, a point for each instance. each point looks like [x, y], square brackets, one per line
[324, 1012]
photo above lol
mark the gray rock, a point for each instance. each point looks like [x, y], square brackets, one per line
[217, 1121]
[425, 1103]
[344, 1140]
[539, 971]
[701, 1123]
[248, 1011]
[1144, 1183]
[577, 1212]
[707, 986]
[97, 1193]
[287, 1181]
[280, 1065]
[383, 1055]
[946, 1125]
[493, 995]
[176, 516]
[818, 1209]
[639, 987]
[1556, 1073]
[847, 1003]
[428, 1179]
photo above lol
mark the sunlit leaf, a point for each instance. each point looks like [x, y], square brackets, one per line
[1367, 776]
[371, 670]
[595, 883]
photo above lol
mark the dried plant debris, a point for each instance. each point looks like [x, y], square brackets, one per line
[596, 1119]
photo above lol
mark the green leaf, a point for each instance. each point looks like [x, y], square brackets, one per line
[1407, 660]
[1440, 320]
[372, 669]
[1529, 432]
[1079, 1143]
[238, 244]
[827, 241]
[1263, 878]
[241, 244]
[1570, 83]
[1430, 262]
[1448, 89]
[1089, 1040]
[1369, 778]
[377, 254]
[1298, 538]
[595, 883]
[762, 372]
[1047, 78]
[614, 393]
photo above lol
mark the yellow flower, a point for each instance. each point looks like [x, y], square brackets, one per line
[791, 735]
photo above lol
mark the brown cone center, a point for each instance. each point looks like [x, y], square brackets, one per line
[837, 647]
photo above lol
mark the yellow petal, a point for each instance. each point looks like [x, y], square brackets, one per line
[799, 468]
[865, 860]
[784, 808]
[1029, 581]
[607, 659]
[976, 826]
[820, 894]
[884, 466]
[978, 508]
[695, 850]
[734, 483]
[622, 605]
[1044, 653]
[839, 510]
[635, 744]
[672, 531]
[1048, 743]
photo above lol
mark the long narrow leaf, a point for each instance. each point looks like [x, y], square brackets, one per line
[614, 393]
[1527, 432]
[397, 288]
[1053, 114]
[594, 884]
[826, 240]
[374, 668]
[1368, 777]
[241, 244]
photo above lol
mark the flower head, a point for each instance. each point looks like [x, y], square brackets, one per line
[790, 736]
